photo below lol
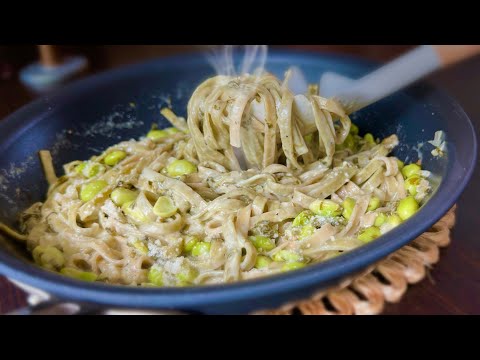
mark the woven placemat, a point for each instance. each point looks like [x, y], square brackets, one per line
[385, 282]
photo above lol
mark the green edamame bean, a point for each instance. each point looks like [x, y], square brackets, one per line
[410, 170]
[79, 275]
[171, 130]
[380, 219]
[407, 207]
[155, 276]
[307, 230]
[374, 203]
[114, 157]
[293, 266]
[187, 276]
[140, 247]
[400, 164]
[120, 196]
[164, 207]
[308, 139]
[80, 167]
[303, 218]
[133, 212]
[349, 142]
[354, 129]
[201, 249]
[326, 208]
[394, 220]
[262, 262]
[155, 135]
[92, 189]
[181, 167]
[88, 169]
[262, 243]
[369, 139]
[412, 183]
[369, 234]
[190, 242]
[48, 257]
[348, 206]
[287, 256]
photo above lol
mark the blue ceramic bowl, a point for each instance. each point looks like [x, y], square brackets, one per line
[92, 114]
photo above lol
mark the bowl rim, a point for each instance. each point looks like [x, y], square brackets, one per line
[309, 277]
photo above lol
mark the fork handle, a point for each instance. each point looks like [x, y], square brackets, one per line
[401, 73]
[452, 54]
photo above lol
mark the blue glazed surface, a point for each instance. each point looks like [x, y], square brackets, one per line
[90, 115]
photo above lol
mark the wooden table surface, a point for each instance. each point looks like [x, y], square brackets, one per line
[453, 286]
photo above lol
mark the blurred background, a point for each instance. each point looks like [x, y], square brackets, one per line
[14, 58]
[101, 56]
[453, 288]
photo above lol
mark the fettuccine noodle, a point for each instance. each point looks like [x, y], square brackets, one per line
[227, 224]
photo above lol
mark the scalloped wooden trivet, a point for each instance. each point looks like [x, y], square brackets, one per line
[387, 281]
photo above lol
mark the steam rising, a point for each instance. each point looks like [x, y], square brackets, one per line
[254, 59]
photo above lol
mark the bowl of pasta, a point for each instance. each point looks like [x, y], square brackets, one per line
[164, 186]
